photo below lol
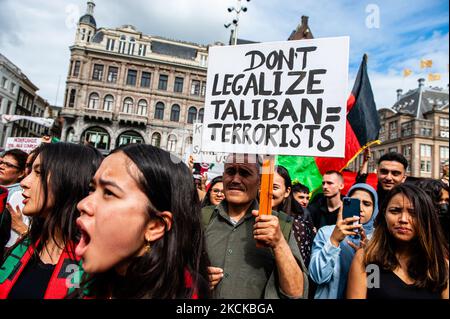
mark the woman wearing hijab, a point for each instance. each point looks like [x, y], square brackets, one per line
[333, 248]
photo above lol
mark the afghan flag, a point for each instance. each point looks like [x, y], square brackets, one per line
[363, 126]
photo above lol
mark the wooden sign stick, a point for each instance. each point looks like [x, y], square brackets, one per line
[265, 196]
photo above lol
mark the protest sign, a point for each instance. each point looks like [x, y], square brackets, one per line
[26, 144]
[201, 156]
[280, 98]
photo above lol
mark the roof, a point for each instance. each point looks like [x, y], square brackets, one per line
[88, 19]
[174, 50]
[421, 101]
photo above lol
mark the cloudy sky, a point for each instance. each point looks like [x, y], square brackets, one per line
[396, 34]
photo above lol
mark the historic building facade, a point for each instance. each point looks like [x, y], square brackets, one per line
[126, 87]
[417, 126]
[18, 96]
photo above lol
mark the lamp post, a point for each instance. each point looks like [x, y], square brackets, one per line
[238, 9]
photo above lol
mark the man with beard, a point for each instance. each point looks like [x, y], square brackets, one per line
[240, 269]
[325, 209]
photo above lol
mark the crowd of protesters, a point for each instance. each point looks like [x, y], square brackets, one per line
[136, 224]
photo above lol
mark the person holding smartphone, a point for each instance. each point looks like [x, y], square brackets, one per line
[334, 246]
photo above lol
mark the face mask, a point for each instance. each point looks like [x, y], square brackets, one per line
[443, 209]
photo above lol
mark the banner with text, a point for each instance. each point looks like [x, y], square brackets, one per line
[280, 98]
[26, 144]
[197, 151]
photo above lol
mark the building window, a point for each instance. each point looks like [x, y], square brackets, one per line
[93, 101]
[21, 97]
[443, 153]
[98, 138]
[122, 44]
[426, 131]
[178, 87]
[175, 113]
[425, 166]
[72, 98]
[172, 143]
[201, 115]
[112, 74]
[163, 82]
[108, 103]
[142, 49]
[130, 138]
[159, 111]
[192, 115]
[156, 139]
[110, 43]
[76, 69]
[195, 87]
[9, 107]
[89, 36]
[131, 78]
[70, 135]
[393, 150]
[406, 150]
[142, 108]
[4, 83]
[13, 88]
[203, 92]
[98, 72]
[393, 130]
[146, 79]
[443, 127]
[407, 129]
[83, 34]
[425, 150]
[131, 46]
[380, 153]
[127, 106]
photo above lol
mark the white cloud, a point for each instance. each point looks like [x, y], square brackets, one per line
[38, 41]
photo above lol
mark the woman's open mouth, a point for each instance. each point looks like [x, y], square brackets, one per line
[84, 241]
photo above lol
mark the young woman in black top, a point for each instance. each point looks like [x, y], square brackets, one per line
[407, 257]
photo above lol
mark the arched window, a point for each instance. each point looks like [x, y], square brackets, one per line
[127, 105]
[159, 111]
[192, 115]
[97, 137]
[129, 137]
[142, 108]
[108, 103]
[73, 92]
[172, 143]
[93, 101]
[201, 115]
[175, 113]
[156, 139]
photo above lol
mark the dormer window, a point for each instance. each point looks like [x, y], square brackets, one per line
[83, 34]
[89, 36]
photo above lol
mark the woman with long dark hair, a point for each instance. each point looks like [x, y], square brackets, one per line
[141, 230]
[407, 253]
[215, 193]
[43, 262]
[283, 200]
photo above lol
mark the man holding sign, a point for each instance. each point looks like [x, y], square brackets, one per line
[281, 98]
[240, 269]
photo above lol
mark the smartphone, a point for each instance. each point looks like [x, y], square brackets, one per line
[352, 208]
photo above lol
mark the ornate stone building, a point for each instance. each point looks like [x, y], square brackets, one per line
[417, 126]
[126, 87]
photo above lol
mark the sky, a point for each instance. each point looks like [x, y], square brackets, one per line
[396, 34]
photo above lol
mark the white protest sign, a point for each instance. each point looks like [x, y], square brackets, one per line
[201, 156]
[280, 98]
[26, 144]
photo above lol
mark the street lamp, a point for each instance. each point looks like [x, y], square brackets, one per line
[238, 9]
